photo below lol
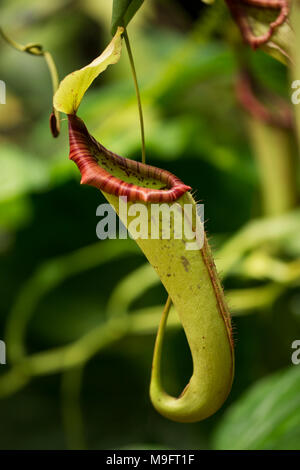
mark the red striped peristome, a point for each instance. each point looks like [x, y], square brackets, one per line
[238, 13]
[92, 158]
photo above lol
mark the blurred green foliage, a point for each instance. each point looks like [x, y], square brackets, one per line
[79, 316]
[266, 417]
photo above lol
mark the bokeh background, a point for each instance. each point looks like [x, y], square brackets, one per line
[72, 381]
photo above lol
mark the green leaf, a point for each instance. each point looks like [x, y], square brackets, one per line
[123, 11]
[21, 172]
[266, 417]
[73, 87]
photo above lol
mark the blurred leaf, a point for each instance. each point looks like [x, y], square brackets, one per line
[123, 12]
[15, 212]
[20, 12]
[13, 115]
[266, 417]
[277, 231]
[20, 173]
[131, 287]
[48, 276]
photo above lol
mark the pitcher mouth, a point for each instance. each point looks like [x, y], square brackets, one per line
[113, 174]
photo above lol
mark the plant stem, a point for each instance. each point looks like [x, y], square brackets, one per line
[137, 91]
[141, 117]
[274, 155]
[295, 69]
[52, 70]
[159, 343]
[37, 50]
[71, 411]
[10, 41]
